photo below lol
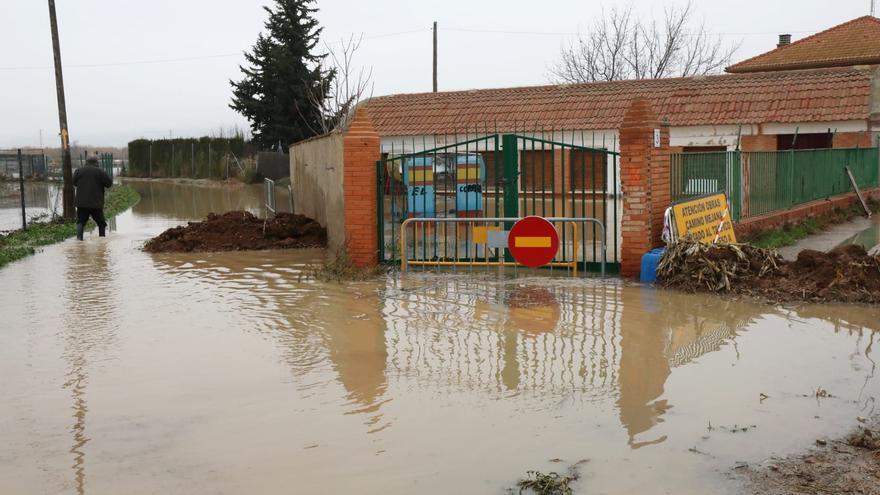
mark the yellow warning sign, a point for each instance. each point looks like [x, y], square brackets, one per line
[706, 219]
[481, 234]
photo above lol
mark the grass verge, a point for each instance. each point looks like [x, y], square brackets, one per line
[791, 233]
[339, 268]
[18, 244]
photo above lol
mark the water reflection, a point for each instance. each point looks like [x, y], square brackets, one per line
[549, 339]
[182, 200]
[89, 331]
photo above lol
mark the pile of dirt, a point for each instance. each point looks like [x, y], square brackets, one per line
[851, 465]
[845, 274]
[239, 231]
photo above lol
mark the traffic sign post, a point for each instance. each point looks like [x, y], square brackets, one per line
[533, 242]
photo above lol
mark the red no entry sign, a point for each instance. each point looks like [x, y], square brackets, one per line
[533, 242]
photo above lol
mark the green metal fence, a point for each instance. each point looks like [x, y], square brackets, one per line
[698, 174]
[761, 182]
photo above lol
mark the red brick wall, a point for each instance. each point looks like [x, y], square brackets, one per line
[644, 173]
[852, 140]
[361, 151]
[661, 197]
[750, 226]
[759, 142]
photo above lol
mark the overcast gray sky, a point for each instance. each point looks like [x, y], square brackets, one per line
[121, 85]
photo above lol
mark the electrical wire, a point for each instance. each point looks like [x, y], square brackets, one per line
[378, 36]
[186, 59]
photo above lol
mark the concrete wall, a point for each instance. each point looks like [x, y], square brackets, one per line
[316, 168]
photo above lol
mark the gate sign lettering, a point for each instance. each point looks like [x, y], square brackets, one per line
[707, 219]
[469, 172]
[533, 242]
[418, 175]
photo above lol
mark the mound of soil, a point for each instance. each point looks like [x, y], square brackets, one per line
[845, 274]
[240, 231]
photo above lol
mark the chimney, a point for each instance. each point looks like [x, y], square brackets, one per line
[784, 39]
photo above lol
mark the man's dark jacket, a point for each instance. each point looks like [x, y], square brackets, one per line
[90, 182]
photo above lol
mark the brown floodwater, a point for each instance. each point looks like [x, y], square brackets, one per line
[124, 372]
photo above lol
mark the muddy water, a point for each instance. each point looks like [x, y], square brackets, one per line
[236, 373]
[41, 198]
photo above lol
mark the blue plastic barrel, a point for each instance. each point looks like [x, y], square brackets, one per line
[650, 261]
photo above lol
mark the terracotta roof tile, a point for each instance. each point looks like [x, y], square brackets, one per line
[819, 95]
[856, 42]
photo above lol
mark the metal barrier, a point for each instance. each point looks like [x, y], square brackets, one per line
[270, 194]
[472, 256]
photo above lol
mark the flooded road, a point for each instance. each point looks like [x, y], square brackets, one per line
[125, 372]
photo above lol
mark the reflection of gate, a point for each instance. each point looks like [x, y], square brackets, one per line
[493, 175]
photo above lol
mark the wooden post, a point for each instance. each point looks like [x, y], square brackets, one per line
[66, 167]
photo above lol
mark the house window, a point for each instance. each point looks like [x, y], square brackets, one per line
[804, 141]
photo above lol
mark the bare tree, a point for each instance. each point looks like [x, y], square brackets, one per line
[340, 95]
[620, 46]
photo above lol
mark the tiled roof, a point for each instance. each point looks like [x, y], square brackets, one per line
[820, 95]
[856, 42]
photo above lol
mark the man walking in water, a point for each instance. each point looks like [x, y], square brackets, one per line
[90, 182]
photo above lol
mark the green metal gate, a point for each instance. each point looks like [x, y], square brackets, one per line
[548, 174]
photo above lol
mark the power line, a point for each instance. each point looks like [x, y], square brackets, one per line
[572, 33]
[195, 58]
[186, 59]
[136, 62]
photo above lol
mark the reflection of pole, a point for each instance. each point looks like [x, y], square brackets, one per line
[66, 170]
[21, 189]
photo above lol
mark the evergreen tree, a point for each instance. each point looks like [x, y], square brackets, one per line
[278, 90]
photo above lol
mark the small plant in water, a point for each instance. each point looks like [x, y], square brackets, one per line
[547, 484]
[340, 268]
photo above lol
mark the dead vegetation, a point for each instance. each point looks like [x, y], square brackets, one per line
[551, 483]
[693, 266]
[845, 274]
[547, 484]
[849, 465]
[339, 268]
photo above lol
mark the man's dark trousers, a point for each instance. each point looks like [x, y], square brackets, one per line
[82, 216]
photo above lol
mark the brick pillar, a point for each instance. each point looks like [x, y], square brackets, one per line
[644, 174]
[361, 151]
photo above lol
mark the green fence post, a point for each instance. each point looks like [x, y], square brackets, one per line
[510, 162]
[380, 211]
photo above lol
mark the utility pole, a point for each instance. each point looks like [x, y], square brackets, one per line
[435, 56]
[66, 169]
[21, 190]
